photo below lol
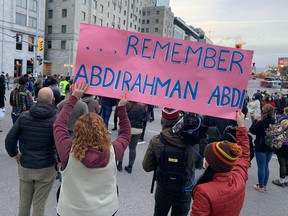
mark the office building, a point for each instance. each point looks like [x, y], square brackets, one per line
[157, 21]
[63, 20]
[165, 3]
[19, 19]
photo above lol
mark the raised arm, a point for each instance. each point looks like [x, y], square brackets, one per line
[124, 137]
[61, 136]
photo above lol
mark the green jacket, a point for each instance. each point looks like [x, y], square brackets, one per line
[153, 153]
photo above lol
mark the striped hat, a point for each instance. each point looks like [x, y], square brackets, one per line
[170, 114]
[222, 156]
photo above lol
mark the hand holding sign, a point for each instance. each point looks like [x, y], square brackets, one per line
[123, 101]
[79, 90]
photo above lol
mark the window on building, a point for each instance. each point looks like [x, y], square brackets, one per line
[124, 12]
[132, 6]
[143, 21]
[83, 18]
[156, 29]
[63, 44]
[108, 5]
[21, 19]
[32, 5]
[21, 3]
[119, 19]
[139, 12]
[157, 12]
[50, 14]
[130, 25]
[64, 12]
[144, 13]
[126, 3]
[63, 29]
[49, 44]
[113, 25]
[94, 19]
[94, 4]
[114, 6]
[113, 19]
[32, 22]
[19, 44]
[157, 21]
[49, 29]
[119, 9]
[148, 13]
[124, 22]
[30, 44]
[135, 27]
[84, 2]
[101, 22]
[101, 8]
[138, 29]
[147, 21]
[147, 29]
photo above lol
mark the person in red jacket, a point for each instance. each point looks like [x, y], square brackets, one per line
[224, 180]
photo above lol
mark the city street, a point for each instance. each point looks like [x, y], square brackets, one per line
[134, 189]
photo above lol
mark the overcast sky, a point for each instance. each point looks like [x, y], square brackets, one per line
[260, 25]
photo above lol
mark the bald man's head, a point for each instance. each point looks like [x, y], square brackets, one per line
[45, 95]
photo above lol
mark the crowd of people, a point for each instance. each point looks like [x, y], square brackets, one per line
[88, 160]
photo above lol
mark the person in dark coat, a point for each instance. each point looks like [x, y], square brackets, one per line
[263, 153]
[282, 154]
[37, 160]
[135, 112]
[2, 93]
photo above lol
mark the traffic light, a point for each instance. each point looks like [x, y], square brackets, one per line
[238, 46]
[18, 38]
[40, 45]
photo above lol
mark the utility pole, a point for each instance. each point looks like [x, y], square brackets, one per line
[35, 72]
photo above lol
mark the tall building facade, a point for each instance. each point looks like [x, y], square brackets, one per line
[18, 22]
[165, 3]
[183, 31]
[63, 20]
[157, 21]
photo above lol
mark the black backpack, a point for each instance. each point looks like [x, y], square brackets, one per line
[172, 172]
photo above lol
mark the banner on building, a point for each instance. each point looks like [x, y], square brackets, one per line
[166, 72]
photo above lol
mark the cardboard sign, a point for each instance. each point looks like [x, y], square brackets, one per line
[185, 75]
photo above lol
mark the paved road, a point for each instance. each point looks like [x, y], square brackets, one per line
[135, 198]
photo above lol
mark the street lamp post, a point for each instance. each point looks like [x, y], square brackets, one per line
[68, 66]
[36, 39]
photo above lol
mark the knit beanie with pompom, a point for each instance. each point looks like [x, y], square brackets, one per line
[222, 156]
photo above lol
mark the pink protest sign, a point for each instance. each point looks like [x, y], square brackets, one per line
[185, 75]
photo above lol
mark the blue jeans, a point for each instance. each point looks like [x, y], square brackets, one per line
[180, 203]
[263, 159]
[105, 114]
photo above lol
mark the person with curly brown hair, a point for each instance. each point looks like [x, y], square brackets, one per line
[88, 162]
